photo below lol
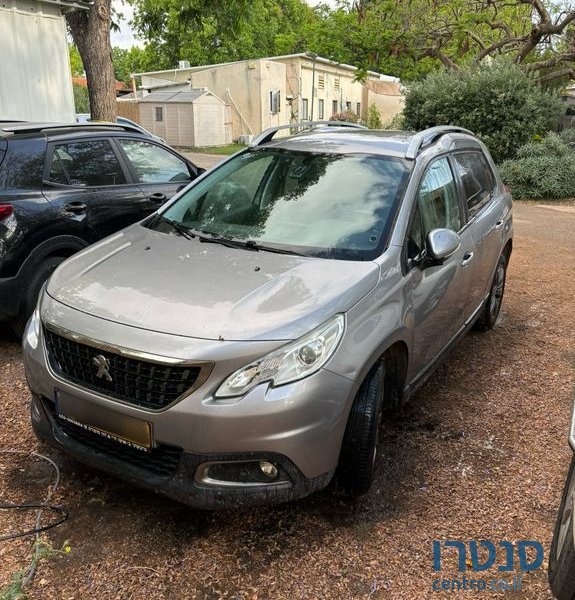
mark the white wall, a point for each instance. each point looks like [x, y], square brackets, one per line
[35, 79]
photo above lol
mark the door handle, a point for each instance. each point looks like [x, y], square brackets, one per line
[467, 258]
[499, 224]
[76, 208]
[158, 197]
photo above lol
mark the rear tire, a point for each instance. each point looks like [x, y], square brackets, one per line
[492, 306]
[359, 448]
[30, 299]
[562, 553]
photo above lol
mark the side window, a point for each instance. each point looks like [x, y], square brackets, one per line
[437, 198]
[153, 164]
[477, 178]
[86, 163]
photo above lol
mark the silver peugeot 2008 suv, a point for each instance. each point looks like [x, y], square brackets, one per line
[239, 346]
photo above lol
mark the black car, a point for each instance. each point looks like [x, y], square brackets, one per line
[63, 187]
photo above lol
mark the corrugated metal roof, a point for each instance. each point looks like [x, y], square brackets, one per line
[172, 95]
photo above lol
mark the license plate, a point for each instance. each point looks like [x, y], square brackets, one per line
[124, 429]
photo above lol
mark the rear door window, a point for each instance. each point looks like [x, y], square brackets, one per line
[477, 179]
[86, 163]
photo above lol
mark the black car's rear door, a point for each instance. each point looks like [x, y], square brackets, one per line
[90, 187]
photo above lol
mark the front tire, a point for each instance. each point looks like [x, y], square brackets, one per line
[30, 299]
[492, 306]
[562, 553]
[359, 448]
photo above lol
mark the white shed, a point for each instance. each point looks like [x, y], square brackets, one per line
[35, 80]
[185, 117]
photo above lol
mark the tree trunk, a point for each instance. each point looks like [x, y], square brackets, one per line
[91, 33]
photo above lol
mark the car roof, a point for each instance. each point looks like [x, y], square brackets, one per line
[331, 138]
[11, 129]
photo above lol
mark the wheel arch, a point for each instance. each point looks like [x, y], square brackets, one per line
[62, 246]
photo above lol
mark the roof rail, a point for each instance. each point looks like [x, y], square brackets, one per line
[426, 137]
[27, 127]
[268, 134]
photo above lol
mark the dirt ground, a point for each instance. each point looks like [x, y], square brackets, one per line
[480, 454]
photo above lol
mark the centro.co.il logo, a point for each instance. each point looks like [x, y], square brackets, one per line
[512, 559]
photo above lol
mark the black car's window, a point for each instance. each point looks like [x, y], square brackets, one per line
[437, 198]
[153, 164]
[23, 164]
[337, 206]
[477, 178]
[86, 163]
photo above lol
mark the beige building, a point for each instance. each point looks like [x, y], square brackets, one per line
[278, 90]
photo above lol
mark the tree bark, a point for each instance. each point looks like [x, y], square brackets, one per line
[91, 33]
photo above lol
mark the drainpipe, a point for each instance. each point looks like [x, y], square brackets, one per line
[313, 56]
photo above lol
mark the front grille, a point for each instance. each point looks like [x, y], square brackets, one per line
[162, 460]
[146, 384]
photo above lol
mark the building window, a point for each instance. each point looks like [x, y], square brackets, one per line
[159, 113]
[275, 102]
[358, 109]
[320, 110]
[336, 84]
[334, 107]
[321, 81]
[348, 106]
[304, 109]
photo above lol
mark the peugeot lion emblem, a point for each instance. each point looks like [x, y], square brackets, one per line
[103, 365]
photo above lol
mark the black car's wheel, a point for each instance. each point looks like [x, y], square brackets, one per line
[41, 274]
[562, 554]
[492, 307]
[359, 448]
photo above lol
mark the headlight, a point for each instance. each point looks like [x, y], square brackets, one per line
[33, 328]
[291, 362]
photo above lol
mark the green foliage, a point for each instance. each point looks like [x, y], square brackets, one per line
[397, 123]
[498, 102]
[42, 551]
[81, 100]
[76, 65]
[541, 170]
[373, 117]
[220, 31]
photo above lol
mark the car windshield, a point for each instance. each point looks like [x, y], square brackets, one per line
[330, 205]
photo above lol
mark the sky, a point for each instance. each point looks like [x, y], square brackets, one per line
[125, 38]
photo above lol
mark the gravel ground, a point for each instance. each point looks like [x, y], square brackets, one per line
[480, 453]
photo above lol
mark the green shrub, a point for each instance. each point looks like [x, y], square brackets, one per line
[373, 117]
[541, 170]
[499, 102]
[81, 101]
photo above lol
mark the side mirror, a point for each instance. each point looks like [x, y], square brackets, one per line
[441, 244]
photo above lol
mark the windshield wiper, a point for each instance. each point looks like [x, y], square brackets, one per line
[179, 228]
[274, 249]
[214, 238]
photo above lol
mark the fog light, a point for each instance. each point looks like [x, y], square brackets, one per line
[268, 469]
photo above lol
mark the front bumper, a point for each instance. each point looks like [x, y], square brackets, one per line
[172, 473]
[297, 427]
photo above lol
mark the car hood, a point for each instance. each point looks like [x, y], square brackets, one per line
[167, 283]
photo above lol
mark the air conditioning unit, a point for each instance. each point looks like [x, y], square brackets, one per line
[246, 140]
[183, 64]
